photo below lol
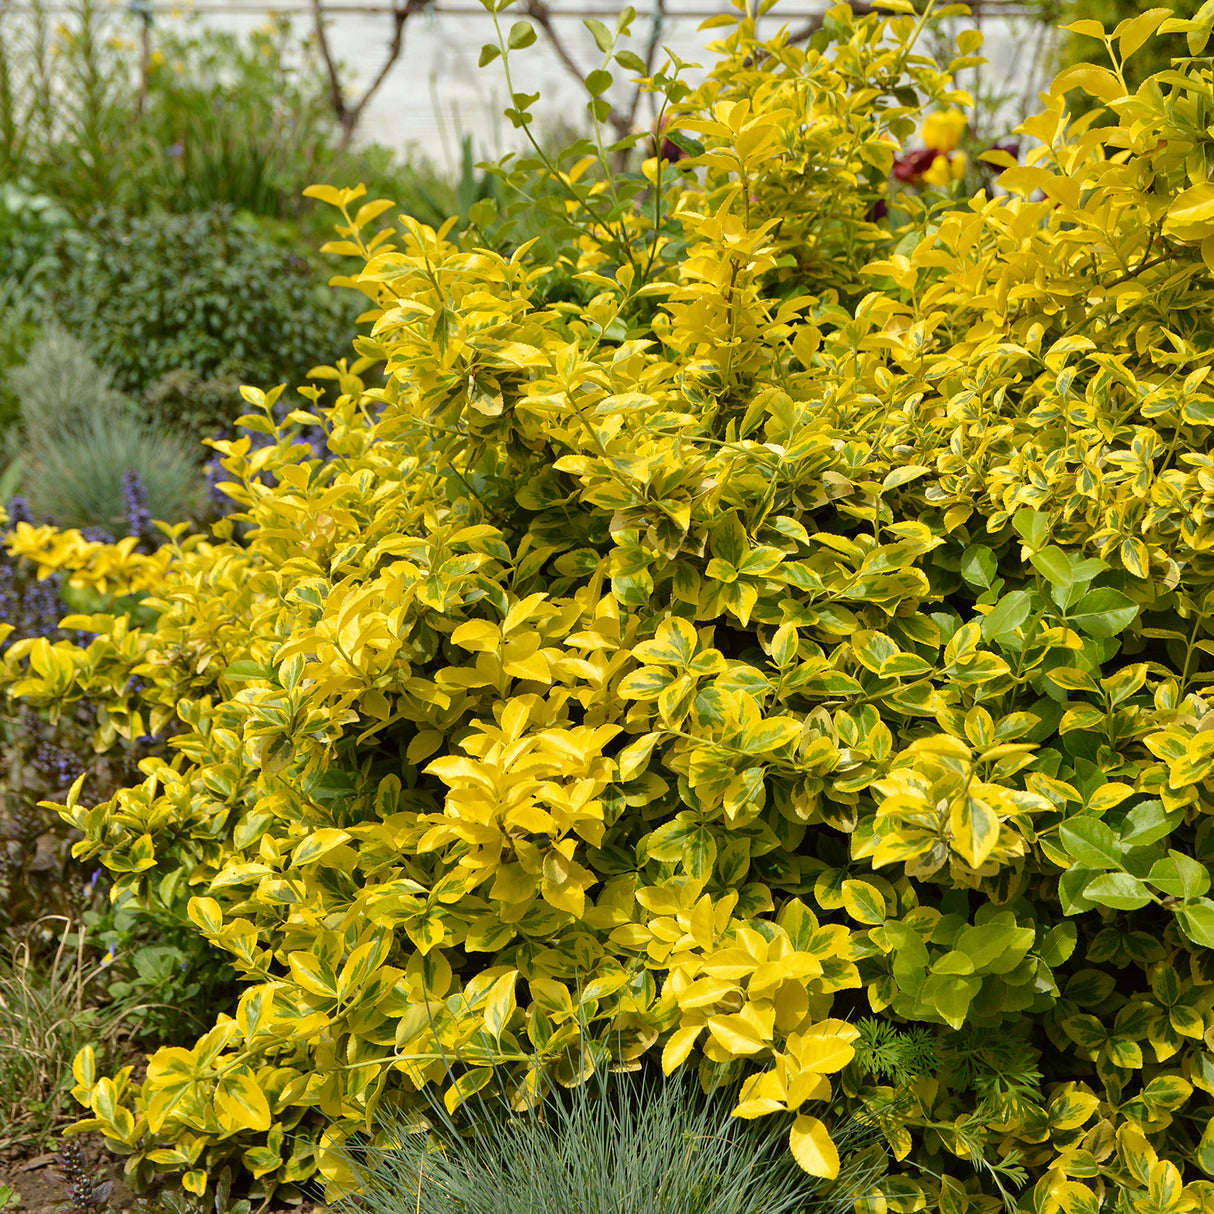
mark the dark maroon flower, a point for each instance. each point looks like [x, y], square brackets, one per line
[910, 167]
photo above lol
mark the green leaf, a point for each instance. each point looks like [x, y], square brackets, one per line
[950, 995]
[997, 946]
[630, 61]
[244, 670]
[1091, 842]
[489, 52]
[1180, 876]
[1104, 612]
[1197, 921]
[979, 566]
[1119, 891]
[1052, 563]
[953, 962]
[522, 34]
[601, 34]
[693, 147]
[1058, 944]
[598, 82]
[1032, 526]
[1148, 822]
[1007, 615]
[1071, 887]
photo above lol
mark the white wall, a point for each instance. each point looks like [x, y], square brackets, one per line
[435, 91]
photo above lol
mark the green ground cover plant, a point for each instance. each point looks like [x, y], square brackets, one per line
[786, 663]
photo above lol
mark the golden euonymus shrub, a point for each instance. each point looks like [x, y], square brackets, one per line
[788, 659]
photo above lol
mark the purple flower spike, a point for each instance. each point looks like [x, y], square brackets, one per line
[18, 511]
[135, 499]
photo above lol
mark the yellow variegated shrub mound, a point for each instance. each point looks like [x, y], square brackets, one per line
[783, 653]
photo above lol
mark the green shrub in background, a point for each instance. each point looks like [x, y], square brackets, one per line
[206, 119]
[29, 223]
[1080, 44]
[211, 293]
[791, 662]
[81, 436]
[231, 121]
[193, 404]
[65, 112]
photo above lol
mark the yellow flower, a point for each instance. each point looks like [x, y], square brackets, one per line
[943, 129]
[944, 170]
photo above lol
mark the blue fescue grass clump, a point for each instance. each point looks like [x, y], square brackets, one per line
[621, 1143]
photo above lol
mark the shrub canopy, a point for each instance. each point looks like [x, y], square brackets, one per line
[790, 663]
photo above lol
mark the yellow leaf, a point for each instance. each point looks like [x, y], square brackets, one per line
[975, 828]
[737, 1035]
[500, 1004]
[812, 1147]
[821, 1052]
[1191, 215]
[512, 883]
[195, 1181]
[1091, 29]
[805, 1085]
[84, 1067]
[206, 914]
[864, 903]
[317, 844]
[1134, 31]
[761, 1095]
[675, 1051]
[240, 1104]
[1095, 81]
